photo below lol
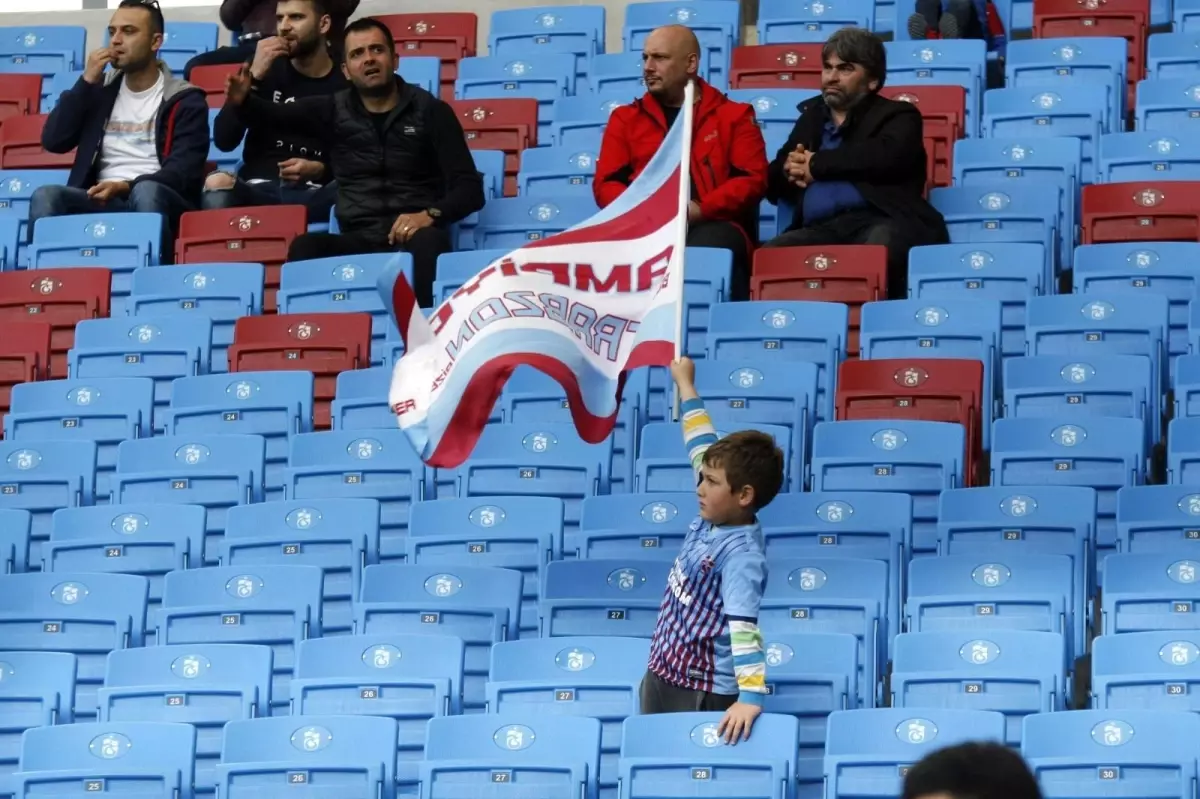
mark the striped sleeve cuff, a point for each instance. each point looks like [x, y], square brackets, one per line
[749, 661]
[698, 431]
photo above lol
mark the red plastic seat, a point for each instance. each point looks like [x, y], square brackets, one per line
[1167, 210]
[778, 66]
[212, 80]
[24, 356]
[510, 125]
[259, 235]
[850, 274]
[21, 145]
[20, 95]
[322, 343]
[944, 111]
[930, 389]
[447, 36]
[58, 298]
[1126, 19]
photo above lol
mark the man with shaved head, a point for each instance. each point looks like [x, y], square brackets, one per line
[729, 159]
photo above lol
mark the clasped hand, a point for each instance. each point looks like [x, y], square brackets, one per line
[796, 167]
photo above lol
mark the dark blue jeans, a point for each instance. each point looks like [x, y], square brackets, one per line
[318, 200]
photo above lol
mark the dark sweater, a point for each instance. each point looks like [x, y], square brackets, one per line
[258, 16]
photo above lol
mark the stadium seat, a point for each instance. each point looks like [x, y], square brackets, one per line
[217, 158]
[1187, 386]
[16, 190]
[1167, 106]
[1183, 451]
[14, 540]
[361, 400]
[946, 62]
[11, 240]
[1061, 63]
[510, 532]
[1157, 518]
[1127, 157]
[21, 95]
[479, 604]
[868, 752]
[544, 76]
[212, 80]
[660, 756]
[24, 357]
[43, 476]
[53, 88]
[579, 121]
[1126, 19]
[647, 526]
[782, 22]
[37, 689]
[555, 171]
[104, 410]
[1082, 752]
[158, 347]
[423, 71]
[1037, 112]
[602, 597]
[85, 614]
[60, 298]
[446, 36]
[339, 536]
[509, 124]
[222, 292]
[259, 235]
[204, 685]
[343, 755]
[665, 463]
[153, 758]
[322, 343]
[55, 47]
[716, 23]
[1015, 672]
[618, 75]
[1141, 211]
[1171, 56]
[775, 109]
[183, 40]
[849, 274]
[812, 594]
[931, 389]
[268, 605]
[214, 471]
[1154, 670]
[511, 222]
[1002, 211]
[538, 755]
[944, 113]
[409, 678]
[776, 66]
[21, 145]
[579, 30]
[342, 284]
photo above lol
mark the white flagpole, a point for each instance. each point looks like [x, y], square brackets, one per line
[685, 197]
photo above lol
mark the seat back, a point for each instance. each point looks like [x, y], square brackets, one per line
[1002, 211]
[37, 689]
[1066, 61]
[1039, 111]
[42, 476]
[14, 540]
[509, 124]
[778, 66]
[946, 62]
[780, 21]
[1151, 670]
[550, 171]
[1171, 56]
[16, 191]
[717, 25]
[1166, 105]
[602, 597]
[1146, 155]
[1156, 519]
[543, 76]
[578, 30]
[944, 114]
[1141, 211]
[58, 297]
[21, 145]
[651, 525]
[447, 36]
[423, 71]
[361, 400]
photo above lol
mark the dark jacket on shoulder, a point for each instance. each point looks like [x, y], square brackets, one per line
[180, 131]
[881, 153]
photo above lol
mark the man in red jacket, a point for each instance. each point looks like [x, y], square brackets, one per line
[729, 158]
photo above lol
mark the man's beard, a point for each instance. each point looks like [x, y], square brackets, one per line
[840, 100]
[306, 47]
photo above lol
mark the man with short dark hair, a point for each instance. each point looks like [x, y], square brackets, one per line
[404, 173]
[141, 134]
[971, 771]
[281, 164]
[854, 164]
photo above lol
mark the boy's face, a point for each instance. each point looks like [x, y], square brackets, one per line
[719, 502]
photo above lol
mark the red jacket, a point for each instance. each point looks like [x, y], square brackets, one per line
[729, 158]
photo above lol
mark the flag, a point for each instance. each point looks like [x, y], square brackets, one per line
[584, 306]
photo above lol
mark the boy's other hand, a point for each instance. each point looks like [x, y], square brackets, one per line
[683, 371]
[737, 722]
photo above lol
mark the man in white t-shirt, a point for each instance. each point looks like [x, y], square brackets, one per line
[141, 135]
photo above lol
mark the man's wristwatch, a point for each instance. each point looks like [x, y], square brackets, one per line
[434, 213]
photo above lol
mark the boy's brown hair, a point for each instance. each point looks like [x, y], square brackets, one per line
[749, 458]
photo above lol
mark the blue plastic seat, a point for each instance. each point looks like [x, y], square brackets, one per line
[1167, 106]
[784, 22]
[205, 685]
[510, 222]
[1060, 64]
[16, 189]
[104, 410]
[1187, 386]
[158, 347]
[490, 165]
[350, 756]
[664, 464]
[1153, 670]
[479, 604]
[673, 753]
[1185, 16]
[222, 292]
[53, 87]
[345, 284]
[868, 752]
[774, 109]
[423, 71]
[120, 242]
[551, 171]
[1146, 155]
[230, 162]
[833, 595]
[85, 614]
[375, 464]
[184, 40]
[534, 755]
[619, 75]
[339, 536]
[591, 676]
[945, 62]
[1087, 754]
[983, 213]
[1172, 56]
[37, 689]
[361, 400]
[214, 471]
[543, 76]
[1157, 519]
[14, 540]
[10, 241]
[510, 532]
[409, 678]
[707, 274]
[42, 476]
[716, 23]
[648, 526]
[265, 604]
[578, 30]
[787, 330]
[1014, 672]
[274, 405]
[1150, 591]
[917, 458]
[602, 597]
[122, 759]
[1037, 112]
[52, 47]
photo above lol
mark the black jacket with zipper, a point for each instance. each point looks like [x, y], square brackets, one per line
[882, 153]
[420, 161]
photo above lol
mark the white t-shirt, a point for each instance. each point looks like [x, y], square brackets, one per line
[129, 150]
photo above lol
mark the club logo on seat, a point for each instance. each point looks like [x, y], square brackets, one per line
[1077, 372]
[1148, 198]
[516, 68]
[659, 512]
[778, 318]
[1046, 100]
[192, 454]
[779, 654]
[808, 578]
[189, 667]
[577, 658]
[791, 58]
[539, 442]
[682, 15]
[1068, 435]
[381, 656]
[1179, 653]
[479, 114]
[311, 739]
[1184, 571]
[109, 745]
[1190, 504]
[547, 20]
[129, 523]
[818, 9]
[303, 518]
[487, 516]
[347, 273]
[25, 459]
[763, 103]
[910, 376]
[706, 735]
[889, 439]
[746, 378]
[443, 585]
[926, 54]
[979, 652]
[995, 201]
[69, 593]
[1143, 259]
[932, 316]
[197, 280]
[364, 449]
[242, 390]
[84, 395]
[244, 223]
[144, 334]
[908, 98]
[97, 230]
[1017, 152]
[514, 737]
[421, 27]
[626, 579]
[583, 160]
[916, 731]
[1066, 52]
[544, 212]
[243, 586]
[30, 40]
[991, 575]
[45, 286]
[304, 331]
[1018, 505]
[834, 511]
[15, 185]
[1098, 310]
[1112, 733]
[820, 262]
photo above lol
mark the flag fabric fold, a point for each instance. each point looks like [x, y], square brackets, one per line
[584, 306]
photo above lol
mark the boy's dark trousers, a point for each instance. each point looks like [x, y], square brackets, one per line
[656, 695]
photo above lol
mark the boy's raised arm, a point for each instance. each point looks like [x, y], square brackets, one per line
[698, 431]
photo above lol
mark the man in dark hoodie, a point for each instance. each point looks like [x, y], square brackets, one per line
[142, 135]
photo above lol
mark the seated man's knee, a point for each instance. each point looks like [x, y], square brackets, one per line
[148, 197]
[433, 239]
[47, 201]
[219, 181]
